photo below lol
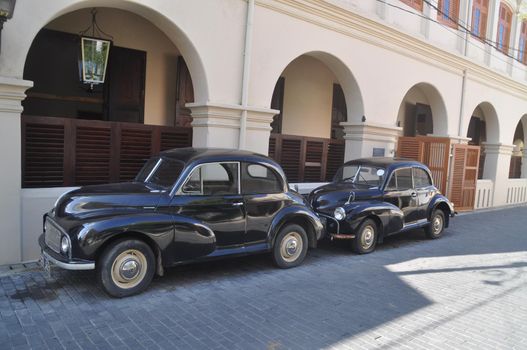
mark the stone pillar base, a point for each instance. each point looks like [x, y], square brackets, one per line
[218, 125]
[497, 165]
[11, 94]
[365, 140]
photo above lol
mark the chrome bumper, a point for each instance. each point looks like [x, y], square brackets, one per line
[70, 265]
[54, 258]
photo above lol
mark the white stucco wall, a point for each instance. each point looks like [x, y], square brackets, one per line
[308, 95]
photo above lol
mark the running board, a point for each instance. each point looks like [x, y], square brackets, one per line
[414, 225]
[342, 236]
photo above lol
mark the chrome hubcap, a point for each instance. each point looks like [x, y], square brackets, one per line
[291, 246]
[129, 269]
[437, 224]
[367, 237]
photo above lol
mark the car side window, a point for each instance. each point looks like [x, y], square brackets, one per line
[401, 180]
[213, 179]
[259, 179]
[421, 178]
[404, 179]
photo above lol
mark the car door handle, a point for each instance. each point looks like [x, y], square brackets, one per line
[414, 194]
[237, 204]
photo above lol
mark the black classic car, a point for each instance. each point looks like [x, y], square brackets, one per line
[185, 205]
[372, 198]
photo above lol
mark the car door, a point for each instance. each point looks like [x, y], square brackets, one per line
[425, 191]
[263, 193]
[211, 194]
[400, 192]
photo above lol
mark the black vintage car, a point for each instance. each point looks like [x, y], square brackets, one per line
[372, 198]
[185, 205]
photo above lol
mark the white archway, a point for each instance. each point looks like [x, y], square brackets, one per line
[424, 107]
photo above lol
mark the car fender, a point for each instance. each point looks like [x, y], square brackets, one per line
[177, 237]
[444, 203]
[289, 214]
[390, 216]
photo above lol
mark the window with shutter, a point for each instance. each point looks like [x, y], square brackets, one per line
[522, 46]
[448, 12]
[416, 4]
[480, 10]
[504, 28]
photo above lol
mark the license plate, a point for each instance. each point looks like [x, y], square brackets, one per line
[45, 264]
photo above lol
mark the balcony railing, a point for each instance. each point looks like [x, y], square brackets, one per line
[59, 152]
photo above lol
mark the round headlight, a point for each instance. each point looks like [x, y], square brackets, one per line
[339, 213]
[64, 245]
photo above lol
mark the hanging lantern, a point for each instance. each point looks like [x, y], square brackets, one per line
[94, 54]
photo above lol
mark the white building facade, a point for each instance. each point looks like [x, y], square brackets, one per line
[355, 73]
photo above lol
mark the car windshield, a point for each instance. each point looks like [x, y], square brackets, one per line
[159, 171]
[361, 175]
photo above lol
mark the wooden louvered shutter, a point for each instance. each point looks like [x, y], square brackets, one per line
[135, 151]
[335, 158]
[290, 156]
[480, 11]
[448, 12]
[416, 4]
[42, 153]
[411, 148]
[465, 165]
[432, 151]
[504, 28]
[522, 47]
[314, 160]
[92, 154]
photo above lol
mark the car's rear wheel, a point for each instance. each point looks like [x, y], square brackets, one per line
[437, 224]
[290, 247]
[365, 240]
[126, 267]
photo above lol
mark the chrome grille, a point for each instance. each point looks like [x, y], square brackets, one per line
[52, 235]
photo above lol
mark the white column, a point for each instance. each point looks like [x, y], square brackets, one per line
[465, 14]
[497, 165]
[492, 27]
[431, 13]
[514, 39]
[11, 94]
[524, 164]
[218, 125]
[362, 138]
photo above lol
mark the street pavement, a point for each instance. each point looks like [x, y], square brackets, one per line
[467, 290]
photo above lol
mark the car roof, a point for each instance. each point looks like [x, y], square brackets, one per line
[199, 155]
[386, 162]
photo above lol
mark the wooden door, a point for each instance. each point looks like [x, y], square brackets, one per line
[184, 94]
[464, 175]
[126, 85]
[432, 151]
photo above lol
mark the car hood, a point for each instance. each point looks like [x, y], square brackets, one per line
[110, 199]
[326, 198]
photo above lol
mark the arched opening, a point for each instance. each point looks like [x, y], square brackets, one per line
[422, 112]
[83, 134]
[483, 127]
[315, 93]
[515, 170]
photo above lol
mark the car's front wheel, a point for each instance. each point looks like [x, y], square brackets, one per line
[126, 267]
[437, 225]
[290, 247]
[366, 238]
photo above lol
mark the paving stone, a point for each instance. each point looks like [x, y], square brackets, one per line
[467, 290]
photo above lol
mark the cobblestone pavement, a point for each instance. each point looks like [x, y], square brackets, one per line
[467, 290]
